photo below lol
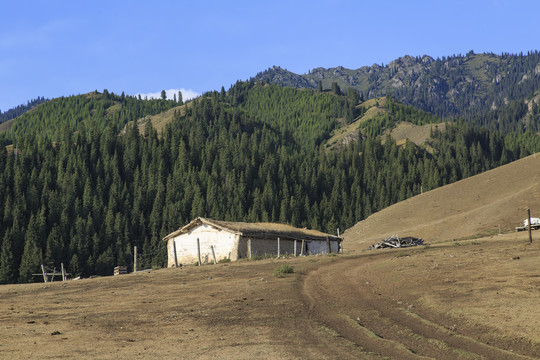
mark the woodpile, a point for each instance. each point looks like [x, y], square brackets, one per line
[120, 270]
[395, 241]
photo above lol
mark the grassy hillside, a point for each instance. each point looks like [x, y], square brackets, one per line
[158, 121]
[382, 116]
[82, 113]
[471, 207]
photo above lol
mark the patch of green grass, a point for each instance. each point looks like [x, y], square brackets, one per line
[224, 260]
[282, 270]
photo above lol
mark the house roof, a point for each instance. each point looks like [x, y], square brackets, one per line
[256, 230]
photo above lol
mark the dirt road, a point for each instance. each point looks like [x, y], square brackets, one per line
[436, 303]
[457, 300]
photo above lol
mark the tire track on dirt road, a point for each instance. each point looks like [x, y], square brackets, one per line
[347, 297]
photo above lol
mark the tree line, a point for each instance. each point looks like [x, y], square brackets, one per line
[253, 153]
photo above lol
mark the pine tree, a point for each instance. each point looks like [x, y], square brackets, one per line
[7, 263]
[180, 99]
[32, 257]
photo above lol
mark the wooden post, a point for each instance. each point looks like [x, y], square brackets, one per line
[213, 254]
[302, 253]
[134, 259]
[44, 273]
[63, 272]
[278, 249]
[294, 247]
[529, 216]
[249, 248]
[328, 250]
[339, 243]
[199, 251]
[175, 256]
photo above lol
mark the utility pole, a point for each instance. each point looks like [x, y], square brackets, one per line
[529, 216]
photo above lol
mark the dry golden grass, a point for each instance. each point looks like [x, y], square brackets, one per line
[471, 207]
[349, 133]
[6, 125]
[415, 133]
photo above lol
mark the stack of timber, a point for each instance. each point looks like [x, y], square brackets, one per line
[395, 241]
[120, 270]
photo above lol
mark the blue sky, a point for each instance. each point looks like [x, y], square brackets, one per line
[59, 48]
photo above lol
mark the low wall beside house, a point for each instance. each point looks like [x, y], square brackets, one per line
[265, 247]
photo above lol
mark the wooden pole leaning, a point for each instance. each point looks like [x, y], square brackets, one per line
[213, 254]
[175, 256]
[45, 279]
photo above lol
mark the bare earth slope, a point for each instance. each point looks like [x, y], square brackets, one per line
[476, 205]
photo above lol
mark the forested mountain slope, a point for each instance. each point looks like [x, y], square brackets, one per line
[78, 190]
[82, 113]
[21, 109]
[457, 85]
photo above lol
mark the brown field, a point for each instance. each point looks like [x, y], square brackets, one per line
[415, 133]
[455, 299]
[159, 121]
[6, 125]
[348, 133]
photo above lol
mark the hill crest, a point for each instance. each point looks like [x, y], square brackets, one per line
[468, 208]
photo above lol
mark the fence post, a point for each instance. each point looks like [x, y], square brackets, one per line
[530, 234]
[328, 250]
[199, 251]
[44, 273]
[294, 247]
[134, 259]
[303, 247]
[175, 257]
[278, 249]
[249, 249]
[63, 272]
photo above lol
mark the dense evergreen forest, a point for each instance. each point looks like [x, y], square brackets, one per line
[21, 109]
[83, 189]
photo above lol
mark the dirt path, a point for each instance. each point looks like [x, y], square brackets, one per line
[377, 302]
[457, 300]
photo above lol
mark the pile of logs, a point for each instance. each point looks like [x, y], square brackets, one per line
[120, 270]
[395, 241]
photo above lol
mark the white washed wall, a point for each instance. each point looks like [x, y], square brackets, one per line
[225, 245]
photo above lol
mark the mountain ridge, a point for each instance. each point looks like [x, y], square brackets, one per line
[449, 86]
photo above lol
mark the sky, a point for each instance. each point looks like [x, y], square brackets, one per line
[62, 48]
